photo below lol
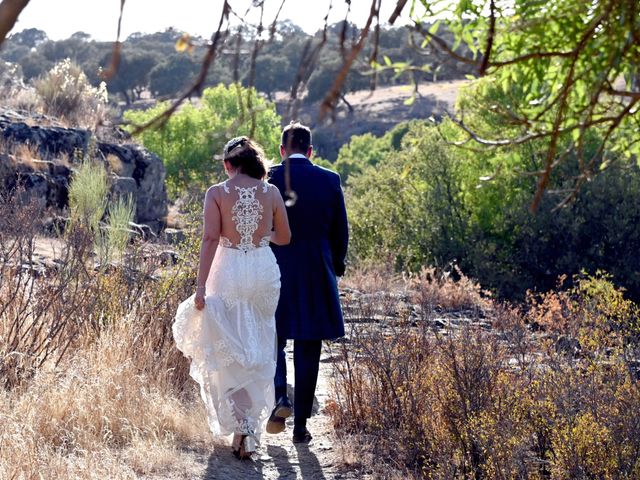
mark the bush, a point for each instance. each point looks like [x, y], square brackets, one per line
[432, 203]
[191, 141]
[67, 93]
[364, 151]
[121, 214]
[88, 194]
[409, 209]
[545, 393]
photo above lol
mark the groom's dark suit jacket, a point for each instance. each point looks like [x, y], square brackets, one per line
[309, 306]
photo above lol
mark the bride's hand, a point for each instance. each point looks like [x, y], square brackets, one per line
[199, 299]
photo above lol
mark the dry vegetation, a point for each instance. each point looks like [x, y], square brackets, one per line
[92, 385]
[435, 380]
[548, 390]
[63, 96]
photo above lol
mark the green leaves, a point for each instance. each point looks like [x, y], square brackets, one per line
[191, 141]
[551, 66]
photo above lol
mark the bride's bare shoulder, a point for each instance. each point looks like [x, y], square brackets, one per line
[215, 191]
[218, 187]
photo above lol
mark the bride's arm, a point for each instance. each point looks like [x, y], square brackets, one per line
[210, 239]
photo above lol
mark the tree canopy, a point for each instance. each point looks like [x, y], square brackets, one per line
[558, 68]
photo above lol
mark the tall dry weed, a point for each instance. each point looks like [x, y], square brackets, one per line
[66, 93]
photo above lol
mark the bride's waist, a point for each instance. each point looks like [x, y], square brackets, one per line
[244, 247]
[245, 250]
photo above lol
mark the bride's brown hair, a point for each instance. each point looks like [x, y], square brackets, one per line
[246, 156]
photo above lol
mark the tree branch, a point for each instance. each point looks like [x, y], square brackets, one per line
[117, 48]
[210, 56]
[329, 101]
[530, 56]
[9, 12]
[397, 11]
[556, 131]
[623, 93]
[442, 44]
[525, 138]
[305, 68]
[490, 37]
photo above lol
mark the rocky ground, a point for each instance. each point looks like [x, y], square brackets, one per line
[40, 159]
[373, 112]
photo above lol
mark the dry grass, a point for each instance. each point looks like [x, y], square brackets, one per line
[449, 291]
[115, 164]
[372, 279]
[24, 154]
[66, 93]
[28, 156]
[96, 412]
[92, 384]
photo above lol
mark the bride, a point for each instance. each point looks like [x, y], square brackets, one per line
[227, 328]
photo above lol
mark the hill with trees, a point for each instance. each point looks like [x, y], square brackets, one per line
[150, 63]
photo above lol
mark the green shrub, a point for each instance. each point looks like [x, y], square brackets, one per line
[367, 150]
[88, 194]
[89, 203]
[409, 209]
[192, 136]
[121, 214]
[433, 203]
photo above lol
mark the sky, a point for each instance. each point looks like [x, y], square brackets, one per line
[99, 18]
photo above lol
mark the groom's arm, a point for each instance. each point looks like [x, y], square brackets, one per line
[339, 232]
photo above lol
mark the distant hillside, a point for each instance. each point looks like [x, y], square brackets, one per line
[149, 64]
[374, 112]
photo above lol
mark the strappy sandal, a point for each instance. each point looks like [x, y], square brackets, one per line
[243, 446]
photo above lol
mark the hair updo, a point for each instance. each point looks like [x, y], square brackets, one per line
[246, 156]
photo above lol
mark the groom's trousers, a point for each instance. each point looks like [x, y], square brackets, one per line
[306, 362]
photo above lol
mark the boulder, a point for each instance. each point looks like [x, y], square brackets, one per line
[133, 169]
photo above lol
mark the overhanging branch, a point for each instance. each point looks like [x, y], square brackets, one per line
[9, 12]
[210, 56]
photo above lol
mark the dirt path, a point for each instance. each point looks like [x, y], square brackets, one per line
[277, 456]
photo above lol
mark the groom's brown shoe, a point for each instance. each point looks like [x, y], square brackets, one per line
[282, 410]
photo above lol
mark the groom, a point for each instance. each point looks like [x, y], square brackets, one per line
[309, 308]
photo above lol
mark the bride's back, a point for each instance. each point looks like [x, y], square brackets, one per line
[246, 212]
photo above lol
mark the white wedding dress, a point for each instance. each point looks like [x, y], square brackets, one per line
[232, 342]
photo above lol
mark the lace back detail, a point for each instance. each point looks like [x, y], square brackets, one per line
[247, 212]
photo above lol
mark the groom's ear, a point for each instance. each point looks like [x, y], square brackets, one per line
[283, 154]
[310, 151]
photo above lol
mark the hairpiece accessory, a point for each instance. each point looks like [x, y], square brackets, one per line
[233, 144]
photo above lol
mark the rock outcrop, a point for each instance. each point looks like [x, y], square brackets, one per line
[41, 159]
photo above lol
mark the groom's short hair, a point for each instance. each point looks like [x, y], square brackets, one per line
[296, 137]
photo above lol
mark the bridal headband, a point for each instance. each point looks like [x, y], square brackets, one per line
[233, 144]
